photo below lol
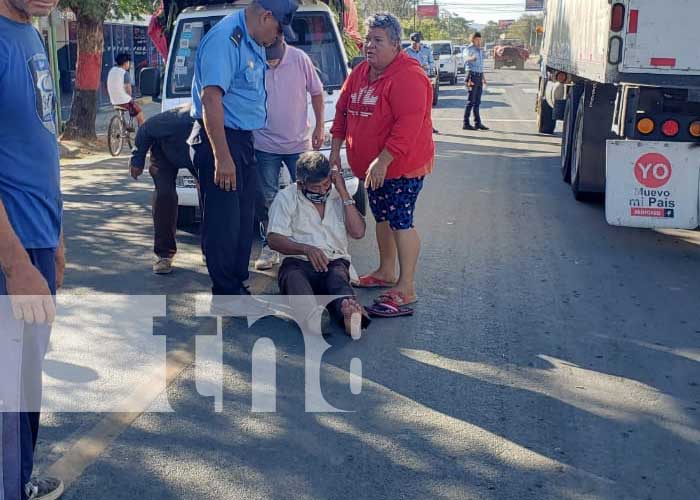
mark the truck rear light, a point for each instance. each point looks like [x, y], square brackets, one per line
[670, 128]
[617, 21]
[645, 126]
[695, 129]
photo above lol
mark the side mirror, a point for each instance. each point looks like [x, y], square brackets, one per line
[356, 61]
[149, 83]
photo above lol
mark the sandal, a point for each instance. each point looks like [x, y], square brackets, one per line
[395, 297]
[388, 309]
[369, 281]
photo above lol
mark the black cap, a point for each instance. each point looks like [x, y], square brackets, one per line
[283, 11]
[417, 37]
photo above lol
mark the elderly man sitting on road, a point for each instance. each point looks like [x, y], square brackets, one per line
[310, 222]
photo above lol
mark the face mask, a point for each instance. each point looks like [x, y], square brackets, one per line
[316, 198]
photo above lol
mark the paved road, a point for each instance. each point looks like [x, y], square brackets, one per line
[551, 356]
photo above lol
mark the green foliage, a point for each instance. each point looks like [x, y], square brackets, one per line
[102, 9]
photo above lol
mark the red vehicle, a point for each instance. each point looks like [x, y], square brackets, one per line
[510, 53]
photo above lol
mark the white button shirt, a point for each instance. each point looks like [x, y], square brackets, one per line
[295, 217]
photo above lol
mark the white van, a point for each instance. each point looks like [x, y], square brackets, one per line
[317, 34]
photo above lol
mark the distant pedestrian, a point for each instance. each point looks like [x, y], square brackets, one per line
[228, 103]
[32, 258]
[384, 115]
[424, 55]
[120, 89]
[290, 79]
[165, 136]
[475, 82]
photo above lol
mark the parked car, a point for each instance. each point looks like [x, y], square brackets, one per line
[445, 60]
[317, 34]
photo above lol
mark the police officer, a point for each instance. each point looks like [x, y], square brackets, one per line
[475, 82]
[228, 103]
[423, 54]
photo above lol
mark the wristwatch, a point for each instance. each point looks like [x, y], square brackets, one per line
[348, 202]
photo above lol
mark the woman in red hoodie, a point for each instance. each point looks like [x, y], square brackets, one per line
[383, 115]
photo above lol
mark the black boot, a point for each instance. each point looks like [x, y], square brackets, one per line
[466, 126]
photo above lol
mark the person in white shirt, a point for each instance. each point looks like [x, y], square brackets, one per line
[119, 87]
[310, 222]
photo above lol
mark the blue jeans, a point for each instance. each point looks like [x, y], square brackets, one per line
[25, 345]
[269, 166]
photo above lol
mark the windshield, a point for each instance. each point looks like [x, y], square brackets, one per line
[442, 49]
[315, 35]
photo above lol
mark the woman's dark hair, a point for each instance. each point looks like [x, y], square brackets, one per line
[313, 167]
[122, 58]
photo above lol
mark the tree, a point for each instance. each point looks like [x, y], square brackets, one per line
[490, 32]
[90, 16]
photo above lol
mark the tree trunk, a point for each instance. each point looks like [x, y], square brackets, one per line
[81, 124]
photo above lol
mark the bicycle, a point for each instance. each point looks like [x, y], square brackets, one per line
[120, 130]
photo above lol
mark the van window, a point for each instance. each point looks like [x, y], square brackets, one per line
[316, 36]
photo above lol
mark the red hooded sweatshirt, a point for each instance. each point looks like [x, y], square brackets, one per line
[393, 112]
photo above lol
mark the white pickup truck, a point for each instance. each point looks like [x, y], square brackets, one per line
[445, 60]
[624, 76]
[317, 34]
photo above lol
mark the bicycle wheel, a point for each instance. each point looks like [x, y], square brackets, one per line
[131, 133]
[115, 135]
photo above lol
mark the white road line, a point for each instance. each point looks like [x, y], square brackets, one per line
[529, 91]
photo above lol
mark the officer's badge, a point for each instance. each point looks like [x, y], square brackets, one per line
[251, 64]
[237, 36]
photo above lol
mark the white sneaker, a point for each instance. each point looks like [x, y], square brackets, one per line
[163, 266]
[267, 259]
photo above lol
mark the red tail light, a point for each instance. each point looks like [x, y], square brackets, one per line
[670, 128]
[617, 21]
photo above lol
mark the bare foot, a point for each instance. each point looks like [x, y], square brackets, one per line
[352, 318]
[386, 277]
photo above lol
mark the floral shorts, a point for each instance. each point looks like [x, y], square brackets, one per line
[395, 202]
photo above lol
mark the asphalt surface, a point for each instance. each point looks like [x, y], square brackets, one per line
[551, 355]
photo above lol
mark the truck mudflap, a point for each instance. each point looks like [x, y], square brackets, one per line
[652, 184]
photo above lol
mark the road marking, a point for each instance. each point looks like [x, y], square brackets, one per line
[530, 91]
[496, 91]
[86, 450]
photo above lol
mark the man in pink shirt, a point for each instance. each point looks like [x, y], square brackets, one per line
[290, 77]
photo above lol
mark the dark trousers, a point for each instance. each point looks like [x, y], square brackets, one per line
[164, 205]
[22, 382]
[298, 277]
[227, 216]
[474, 97]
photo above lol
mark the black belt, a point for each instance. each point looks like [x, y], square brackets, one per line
[475, 73]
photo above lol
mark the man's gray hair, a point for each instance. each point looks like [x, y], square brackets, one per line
[388, 22]
[313, 167]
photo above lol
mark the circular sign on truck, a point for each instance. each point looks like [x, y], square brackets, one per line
[653, 170]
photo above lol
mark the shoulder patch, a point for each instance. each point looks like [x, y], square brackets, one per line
[237, 36]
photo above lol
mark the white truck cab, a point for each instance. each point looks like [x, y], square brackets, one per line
[317, 35]
[445, 59]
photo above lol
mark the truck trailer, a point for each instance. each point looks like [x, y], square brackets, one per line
[624, 78]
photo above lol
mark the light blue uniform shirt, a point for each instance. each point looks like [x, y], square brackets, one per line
[237, 66]
[424, 56]
[474, 66]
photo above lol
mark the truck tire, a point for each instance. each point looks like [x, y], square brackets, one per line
[186, 216]
[545, 120]
[520, 65]
[577, 159]
[566, 141]
[496, 65]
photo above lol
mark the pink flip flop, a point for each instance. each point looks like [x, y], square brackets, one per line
[369, 281]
